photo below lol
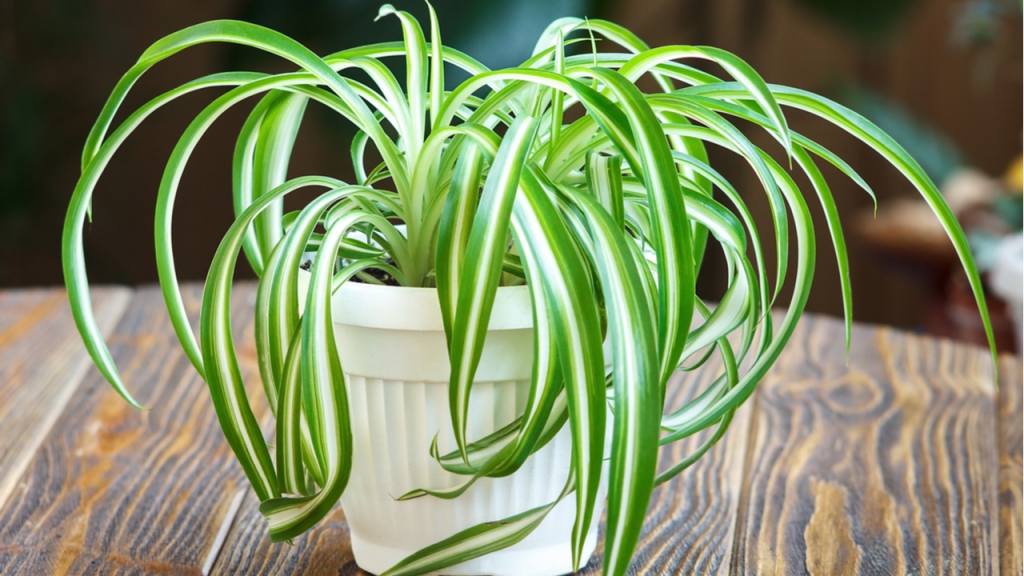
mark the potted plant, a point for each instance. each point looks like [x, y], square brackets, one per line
[480, 346]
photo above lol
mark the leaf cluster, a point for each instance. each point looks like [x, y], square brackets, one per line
[606, 218]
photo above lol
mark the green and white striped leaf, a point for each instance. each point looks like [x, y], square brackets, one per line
[605, 216]
[478, 281]
[577, 335]
[477, 541]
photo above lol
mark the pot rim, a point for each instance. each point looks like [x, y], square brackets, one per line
[416, 309]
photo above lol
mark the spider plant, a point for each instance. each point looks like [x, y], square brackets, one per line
[605, 217]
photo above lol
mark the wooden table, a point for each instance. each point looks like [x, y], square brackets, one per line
[906, 462]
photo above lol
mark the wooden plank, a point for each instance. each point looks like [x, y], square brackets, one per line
[1011, 466]
[691, 521]
[323, 550]
[885, 467]
[42, 362]
[690, 526]
[115, 490]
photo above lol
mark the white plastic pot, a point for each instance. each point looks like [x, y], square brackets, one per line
[394, 354]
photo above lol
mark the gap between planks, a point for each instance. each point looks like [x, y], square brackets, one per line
[222, 532]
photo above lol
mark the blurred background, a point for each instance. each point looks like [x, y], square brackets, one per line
[944, 77]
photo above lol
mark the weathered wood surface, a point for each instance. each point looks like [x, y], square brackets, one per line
[115, 490]
[885, 467]
[906, 462]
[1011, 467]
[42, 360]
[323, 550]
[691, 520]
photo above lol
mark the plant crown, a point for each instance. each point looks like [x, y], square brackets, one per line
[605, 217]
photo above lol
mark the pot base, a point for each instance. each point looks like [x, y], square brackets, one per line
[554, 560]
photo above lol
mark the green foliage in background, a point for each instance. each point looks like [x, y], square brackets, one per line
[605, 213]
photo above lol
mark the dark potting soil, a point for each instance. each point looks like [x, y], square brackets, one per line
[381, 275]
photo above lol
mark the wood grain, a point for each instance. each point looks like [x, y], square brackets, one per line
[115, 490]
[885, 467]
[42, 362]
[908, 462]
[323, 550]
[1011, 467]
[690, 522]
